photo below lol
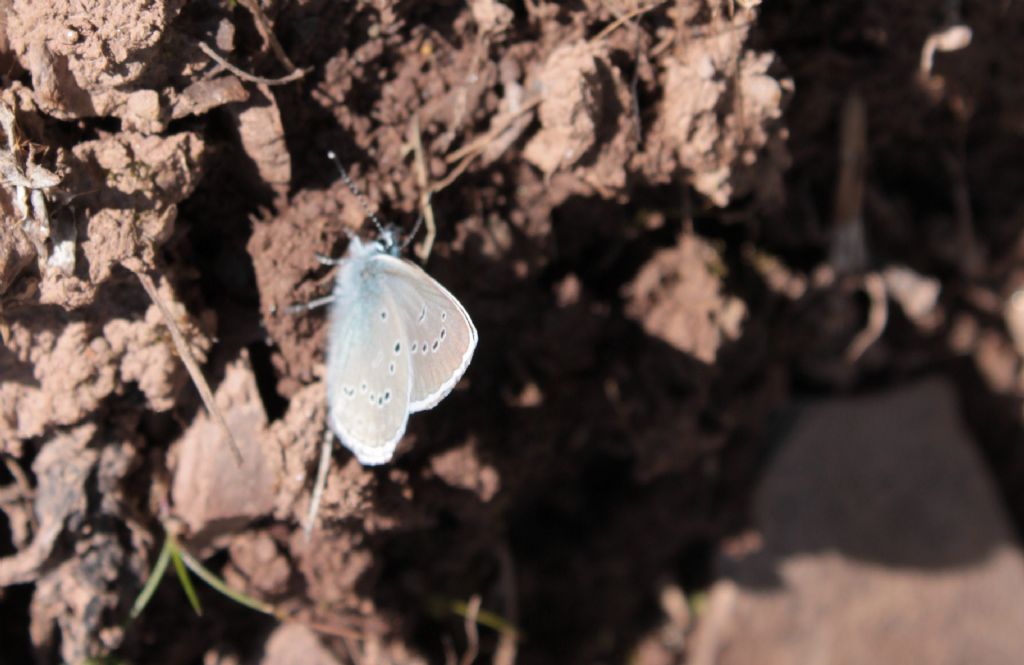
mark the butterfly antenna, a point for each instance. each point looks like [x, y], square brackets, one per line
[363, 201]
[416, 226]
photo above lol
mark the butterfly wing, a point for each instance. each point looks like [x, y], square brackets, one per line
[368, 371]
[440, 334]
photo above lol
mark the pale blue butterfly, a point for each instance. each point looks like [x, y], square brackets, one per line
[398, 342]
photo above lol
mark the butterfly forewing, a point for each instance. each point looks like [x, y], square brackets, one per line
[440, 335]
[368, 369]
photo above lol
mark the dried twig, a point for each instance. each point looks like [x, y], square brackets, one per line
[878, 316]
[472, 633]
[951, 38]
[267, 32]
[333, 630]
[500, 125]
[246, 76]
[423, 180]
[468, 153]
[614, 25]
[321, 481]
[190, 363]
[848, 252]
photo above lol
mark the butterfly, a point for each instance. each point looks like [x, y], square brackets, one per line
[398, 342]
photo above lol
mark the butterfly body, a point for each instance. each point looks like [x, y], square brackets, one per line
[398, 343]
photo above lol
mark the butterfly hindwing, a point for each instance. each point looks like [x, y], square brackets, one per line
[440, 335]
[368, 366]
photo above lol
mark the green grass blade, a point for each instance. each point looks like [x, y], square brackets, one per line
[205, 575]
[186, 581]
[152, 582]
[183, 562]
[438, 606]
[486, 618]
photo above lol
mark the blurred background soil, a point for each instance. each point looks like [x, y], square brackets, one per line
[673, 223]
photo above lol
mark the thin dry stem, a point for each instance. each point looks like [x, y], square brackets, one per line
[878, 316]
[325, 629]
[479, 144]
[617, 23]
[190, 363]
[321, 481]
[267, 32]
[423, 180]
[472, 632]
[468, 153]
[246, 76]
[849, 252]
[948, 39]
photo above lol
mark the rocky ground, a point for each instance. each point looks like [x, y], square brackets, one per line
[678, 226]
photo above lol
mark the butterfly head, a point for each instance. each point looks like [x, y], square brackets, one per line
[388, 240]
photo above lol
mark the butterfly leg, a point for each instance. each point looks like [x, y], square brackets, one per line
[312, 304]
[321, 481]
[327, 260]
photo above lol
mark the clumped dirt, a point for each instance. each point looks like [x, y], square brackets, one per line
[649, 213]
